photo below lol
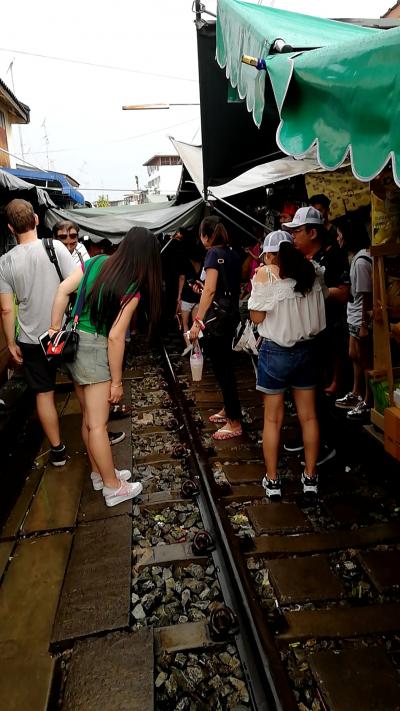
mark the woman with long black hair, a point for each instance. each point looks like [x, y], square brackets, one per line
[287, 304]
[113, 291]
[220, 256]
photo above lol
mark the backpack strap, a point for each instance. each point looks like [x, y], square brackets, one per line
[222, 271]
[51, 253]
[364, 256]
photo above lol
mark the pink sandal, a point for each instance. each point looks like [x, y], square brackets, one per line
[225, 433]
[217, 419]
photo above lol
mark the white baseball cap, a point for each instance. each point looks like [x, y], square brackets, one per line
[305, 216]
[274, 240]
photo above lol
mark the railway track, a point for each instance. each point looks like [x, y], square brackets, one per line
[202, 595]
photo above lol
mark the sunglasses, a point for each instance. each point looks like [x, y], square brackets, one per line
[72, 235]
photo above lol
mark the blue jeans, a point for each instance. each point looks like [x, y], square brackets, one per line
[280, 368]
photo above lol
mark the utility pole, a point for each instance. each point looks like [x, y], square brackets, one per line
[10, 69]
[46, 142]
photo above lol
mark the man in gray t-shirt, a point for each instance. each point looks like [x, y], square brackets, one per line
[28, 276]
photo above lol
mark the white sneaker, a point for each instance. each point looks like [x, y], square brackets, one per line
[127, 490]
[97, 481]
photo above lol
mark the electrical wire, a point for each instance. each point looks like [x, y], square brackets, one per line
[96, 65]
[114, 140]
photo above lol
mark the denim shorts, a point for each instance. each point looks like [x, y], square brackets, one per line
[280, 368]
[91, 363]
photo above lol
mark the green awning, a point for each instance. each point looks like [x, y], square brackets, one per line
[342, 98]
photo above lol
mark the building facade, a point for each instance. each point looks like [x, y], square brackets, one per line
[164, 173]
[12, 111]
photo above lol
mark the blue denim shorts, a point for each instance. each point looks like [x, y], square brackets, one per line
[91, 363]
[280, 368]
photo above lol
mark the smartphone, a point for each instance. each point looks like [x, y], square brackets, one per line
[44, 341]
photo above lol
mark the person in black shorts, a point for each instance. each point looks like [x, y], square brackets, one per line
[28, 276]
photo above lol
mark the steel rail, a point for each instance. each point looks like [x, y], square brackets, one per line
[264, 692]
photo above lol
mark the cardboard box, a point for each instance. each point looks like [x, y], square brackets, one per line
[392, 431]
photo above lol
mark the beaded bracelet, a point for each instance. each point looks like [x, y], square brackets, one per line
[117, 386]
[200, 322]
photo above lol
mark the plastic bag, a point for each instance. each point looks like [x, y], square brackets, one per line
[246, 338]
[196, 361]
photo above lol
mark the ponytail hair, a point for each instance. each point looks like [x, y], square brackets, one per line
[294, 265]
[213, 228]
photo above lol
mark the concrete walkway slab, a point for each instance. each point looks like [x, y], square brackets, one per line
[5, 552]
[56, 503]
[113, 673]
[383, 568]
[28, 601]
[362, 679]
[93, 508]
[272, 517]
[304, 579]
[331, 541]
[96, 592]
[17, 515]
[244, 473]
[342, 622]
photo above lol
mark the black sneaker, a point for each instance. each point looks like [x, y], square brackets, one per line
[58, 457]
[310, 484]
[272, 487]
[326, 452]
[116, 437]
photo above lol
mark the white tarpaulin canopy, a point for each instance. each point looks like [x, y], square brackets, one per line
[262, 175]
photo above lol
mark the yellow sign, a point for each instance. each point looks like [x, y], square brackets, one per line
[385, 203]
[345, 192]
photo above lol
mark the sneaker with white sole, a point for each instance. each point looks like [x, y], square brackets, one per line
[272, 487]
[97, 481]
[58, 456]
[116, 437]
[348, 401]
[310, 484]
[127, 490]
[359, 413]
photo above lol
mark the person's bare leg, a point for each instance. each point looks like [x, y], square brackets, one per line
[48, 416]
[307, 414]
[358, 375]
[84, 430]
[96, 417]
[274, 407]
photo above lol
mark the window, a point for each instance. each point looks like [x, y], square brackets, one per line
[2, 120]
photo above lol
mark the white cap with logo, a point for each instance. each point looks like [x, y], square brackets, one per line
[274, 240]
[305, 216]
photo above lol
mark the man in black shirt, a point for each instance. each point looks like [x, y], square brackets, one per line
[310, 237]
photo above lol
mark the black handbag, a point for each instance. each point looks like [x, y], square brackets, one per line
[222, 316]
[64, 344]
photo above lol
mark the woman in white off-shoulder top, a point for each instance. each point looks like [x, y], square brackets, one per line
[287, 304]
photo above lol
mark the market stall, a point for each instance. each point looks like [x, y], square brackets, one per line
[335, 87]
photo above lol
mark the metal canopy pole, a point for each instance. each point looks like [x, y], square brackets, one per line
[248, 217]
[236, 225]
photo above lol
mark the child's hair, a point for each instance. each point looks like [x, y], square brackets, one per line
[213, 227]
[294, 265]
[135, 266]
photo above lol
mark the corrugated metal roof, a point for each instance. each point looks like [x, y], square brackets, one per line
[22, 109]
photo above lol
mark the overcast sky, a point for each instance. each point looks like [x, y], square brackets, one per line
[78, 107]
